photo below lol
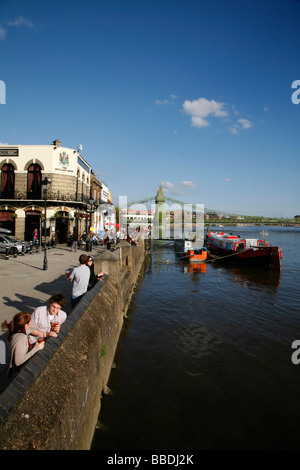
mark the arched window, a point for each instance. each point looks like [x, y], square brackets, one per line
[7, 181]
[34, 182]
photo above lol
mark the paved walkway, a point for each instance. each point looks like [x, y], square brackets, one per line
[24, 285]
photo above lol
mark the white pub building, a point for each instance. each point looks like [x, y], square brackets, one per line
[69, 197]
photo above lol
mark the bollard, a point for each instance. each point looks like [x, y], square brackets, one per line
[30, 248]
[7, 252]
[37, 247]
[23, 248]
[15, 250]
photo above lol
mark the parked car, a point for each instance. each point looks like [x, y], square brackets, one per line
[7, 239]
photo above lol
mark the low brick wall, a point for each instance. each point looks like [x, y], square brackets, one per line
[54, 402]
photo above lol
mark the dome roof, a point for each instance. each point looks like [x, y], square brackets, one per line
[160, 197]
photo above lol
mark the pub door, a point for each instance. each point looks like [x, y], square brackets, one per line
[61, 230]
[32, 221]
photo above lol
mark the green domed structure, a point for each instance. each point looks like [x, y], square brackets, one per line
[160, 197]
[160, 215]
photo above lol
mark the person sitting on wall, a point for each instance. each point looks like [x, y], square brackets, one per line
[20, 351]
[95, 240]
[80, 277]
[44, 316]
[130, 240]
[93, 277]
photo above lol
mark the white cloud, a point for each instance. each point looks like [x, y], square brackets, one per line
[241, 124]
[227, 179]
[235, 111]
[21, 21]
[167, 186]
[234, 129]
[161, 102]
[2, 33]
[245, 123]
[199, 122]
[167, 101]
[183, 187]
[201, 109]
[188, 184]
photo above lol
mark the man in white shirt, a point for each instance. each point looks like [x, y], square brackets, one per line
[44, 316]
[80, 277]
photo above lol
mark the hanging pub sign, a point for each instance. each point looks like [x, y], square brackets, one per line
[9, 152]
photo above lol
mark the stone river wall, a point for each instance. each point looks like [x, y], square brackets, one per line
[54, 402]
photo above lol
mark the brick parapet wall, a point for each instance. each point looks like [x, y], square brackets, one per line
[55, 400]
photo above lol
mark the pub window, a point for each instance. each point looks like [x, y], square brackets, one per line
[7, 181]
[34, 182]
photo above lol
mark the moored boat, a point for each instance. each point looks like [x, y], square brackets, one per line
[191, 250]
[244, 251]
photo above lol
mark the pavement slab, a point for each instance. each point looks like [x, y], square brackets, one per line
[25, 285]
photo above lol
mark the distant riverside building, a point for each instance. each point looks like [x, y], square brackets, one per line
[72, 198]
[212, 216]
[138, 217]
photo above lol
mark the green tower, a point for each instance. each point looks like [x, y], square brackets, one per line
[160, 215]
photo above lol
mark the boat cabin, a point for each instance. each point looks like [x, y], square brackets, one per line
[227, 241]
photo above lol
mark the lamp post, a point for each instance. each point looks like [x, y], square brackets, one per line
[91, 201]
[45, 185]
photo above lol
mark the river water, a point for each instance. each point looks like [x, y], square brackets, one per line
[204, 360]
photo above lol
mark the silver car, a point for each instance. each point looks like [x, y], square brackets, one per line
[14, 245]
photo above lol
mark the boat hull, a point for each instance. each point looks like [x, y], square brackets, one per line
[266, 258]
[196, 256]
[190, 251]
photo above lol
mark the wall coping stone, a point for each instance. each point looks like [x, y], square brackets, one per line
[34, 366]
[65, 417]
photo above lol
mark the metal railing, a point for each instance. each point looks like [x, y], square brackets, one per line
[52, 196]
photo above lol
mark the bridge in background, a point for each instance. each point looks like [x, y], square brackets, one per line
[213, 216]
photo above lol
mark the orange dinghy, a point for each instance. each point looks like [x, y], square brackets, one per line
[197, 256]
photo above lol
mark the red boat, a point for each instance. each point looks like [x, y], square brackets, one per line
[244, 251]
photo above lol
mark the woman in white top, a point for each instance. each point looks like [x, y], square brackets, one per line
[18, 329]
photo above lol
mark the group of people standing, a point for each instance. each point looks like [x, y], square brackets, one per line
[83, 278]
[80, 241]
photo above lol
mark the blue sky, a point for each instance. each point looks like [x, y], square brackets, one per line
[195, 95]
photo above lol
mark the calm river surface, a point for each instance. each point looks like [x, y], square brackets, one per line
[204, 359]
